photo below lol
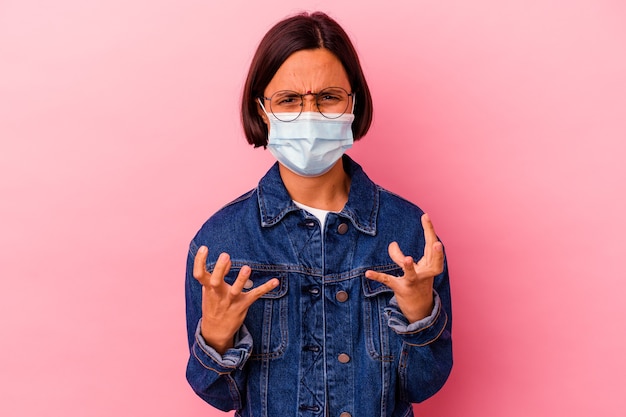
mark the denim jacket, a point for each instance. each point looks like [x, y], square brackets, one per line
[326, 341]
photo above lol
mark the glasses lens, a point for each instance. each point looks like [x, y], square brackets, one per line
[286, 105]
[333, 102]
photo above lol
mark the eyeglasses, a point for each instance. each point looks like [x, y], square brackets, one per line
[331, 102]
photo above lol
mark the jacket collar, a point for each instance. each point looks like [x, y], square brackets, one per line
[361, 208]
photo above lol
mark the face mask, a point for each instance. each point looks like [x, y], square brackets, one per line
[310, 145]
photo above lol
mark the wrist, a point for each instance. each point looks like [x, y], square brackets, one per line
[415, 311]
[220, 344]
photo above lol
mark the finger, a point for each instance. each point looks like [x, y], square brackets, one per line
[429, 235]
[405, 262]
[433, 250]
[199, 264]
[222, 266]
[240, 282]
[438, 255]
[386, 279]
[261, 290]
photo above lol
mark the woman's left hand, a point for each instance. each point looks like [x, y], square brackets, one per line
[414, 290]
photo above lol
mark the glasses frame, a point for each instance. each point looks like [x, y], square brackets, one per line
[315, 96]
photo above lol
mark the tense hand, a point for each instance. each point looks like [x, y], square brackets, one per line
[224, 307]
[414, 290]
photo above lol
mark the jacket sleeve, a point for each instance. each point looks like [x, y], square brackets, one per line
[425, 360]
[217, 379]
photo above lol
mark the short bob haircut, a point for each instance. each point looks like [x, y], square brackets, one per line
[293, 34]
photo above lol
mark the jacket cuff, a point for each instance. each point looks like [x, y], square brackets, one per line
[233, 358]
[421, 332]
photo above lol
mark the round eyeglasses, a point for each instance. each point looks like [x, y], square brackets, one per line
[331, 102]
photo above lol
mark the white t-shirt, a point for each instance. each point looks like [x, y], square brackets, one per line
[319, 213]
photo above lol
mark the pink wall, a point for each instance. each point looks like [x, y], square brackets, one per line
[119, 136]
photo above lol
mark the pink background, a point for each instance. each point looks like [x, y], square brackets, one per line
[119, 131]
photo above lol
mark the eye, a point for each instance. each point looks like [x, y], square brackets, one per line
[286, 99]
[329, 97]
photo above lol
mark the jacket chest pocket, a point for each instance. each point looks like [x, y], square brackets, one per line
[379, 337]
[267, 317]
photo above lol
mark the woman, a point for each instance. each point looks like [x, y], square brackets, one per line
[300, 298]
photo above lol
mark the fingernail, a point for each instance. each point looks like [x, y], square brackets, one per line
[223, 257]
[202, 249]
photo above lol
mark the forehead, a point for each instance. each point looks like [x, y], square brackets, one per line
[309, 70]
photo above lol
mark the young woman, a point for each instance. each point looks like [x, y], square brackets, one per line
[318, 293]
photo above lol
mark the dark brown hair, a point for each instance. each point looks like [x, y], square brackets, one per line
[296, 33]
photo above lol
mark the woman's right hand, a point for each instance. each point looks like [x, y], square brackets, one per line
[224, 307]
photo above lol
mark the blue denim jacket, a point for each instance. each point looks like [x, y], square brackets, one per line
[326, 341]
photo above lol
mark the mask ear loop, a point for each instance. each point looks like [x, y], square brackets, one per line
[353, 102]
[263, 107]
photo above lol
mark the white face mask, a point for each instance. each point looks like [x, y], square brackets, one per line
[312, 144]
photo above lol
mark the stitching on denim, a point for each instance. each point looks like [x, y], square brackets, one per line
[275, 268]
[372, 288]
[235, 395]
[242, 197]
[314, 272]
[267, 221]
[354, 219]
[434, 338]
[211, 368]
[369, 318]
[430, 325]
[282, 328]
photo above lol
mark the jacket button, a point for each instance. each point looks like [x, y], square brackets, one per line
[341, 296]
[345, 414]
[342, 229]
[343, 358]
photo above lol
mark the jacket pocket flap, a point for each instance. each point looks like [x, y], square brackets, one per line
[259, 278]
[372, 288]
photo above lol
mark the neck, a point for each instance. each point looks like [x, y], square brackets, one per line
[329, 191]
